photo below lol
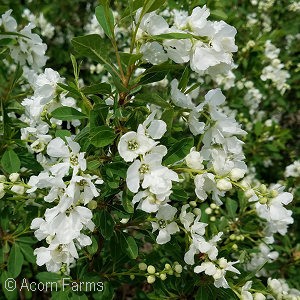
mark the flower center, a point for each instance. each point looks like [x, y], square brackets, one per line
[162, 223]
[144, 169]
[74, 160]
[133, 145]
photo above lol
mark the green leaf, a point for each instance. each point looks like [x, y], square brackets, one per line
[101, 136]
[105, 18]
[69, 89]
[154, 99]
[67, 113]
[179, 150]
[231, 206]
[7, 286]
[127, 202]
[98, 88]
[105, 223]
[48, 277]
[94, 47]
[27, 252]
[205, 292]
[129, 246]
[62, 133]
[92, 249]
[168, 117]
[10, 161]
[15, 261]
[98, 115]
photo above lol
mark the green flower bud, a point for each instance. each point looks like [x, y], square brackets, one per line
[151, 269]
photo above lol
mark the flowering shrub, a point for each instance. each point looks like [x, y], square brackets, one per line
[129, 174]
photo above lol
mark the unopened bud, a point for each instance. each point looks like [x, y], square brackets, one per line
[151, 279]
[13, 177]
[263, 200]
[236, 174]
[151, 269]
[142, 266]
[224, 185]
[163, 276]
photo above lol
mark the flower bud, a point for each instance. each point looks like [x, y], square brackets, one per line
[151, 279]
[212, 219]
[2, 178]
[234, 247]
[208, 211]
[193, 203]
[92, 204]
[236, 174]
[263, 188]
[132, 276]
[151, 269]
[13, 177]
[197, 211]
[178, 268]
[224, 184]
[274, 193]
[213, 206]
[259, 296]
[18, 189]
[263, 200]
[168, 267]
[249, 193]
[142, 266]
[163, 276]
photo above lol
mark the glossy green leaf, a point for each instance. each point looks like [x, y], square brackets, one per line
[10, 161]
[67, 113]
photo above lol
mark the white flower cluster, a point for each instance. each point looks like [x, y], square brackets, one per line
[38, 110]
[15, 184]
[208, 47]
[147, 171]
[275, 71]
[281, 290]
[211, 265]
[258, 259]
[252, 97]
[293, 170]
[246, 295]
[63, 224]
[29, 49]
[40, 21]
[269, 205]
[222, 150]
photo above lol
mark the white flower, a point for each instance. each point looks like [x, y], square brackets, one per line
[165, 215]
[132, 144]
[217, 272]
[178, 50]
[148, 201]
[9, 23]
[204, 184]
[154, 128]
[152, 174]
[194, 159]
[152, 23]
[196, 127]
[154, 53]
[179, 98]
[70, 155]
[198, 19]
[46, 85]
[186, 218]
[245, 294]
[293, 170]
